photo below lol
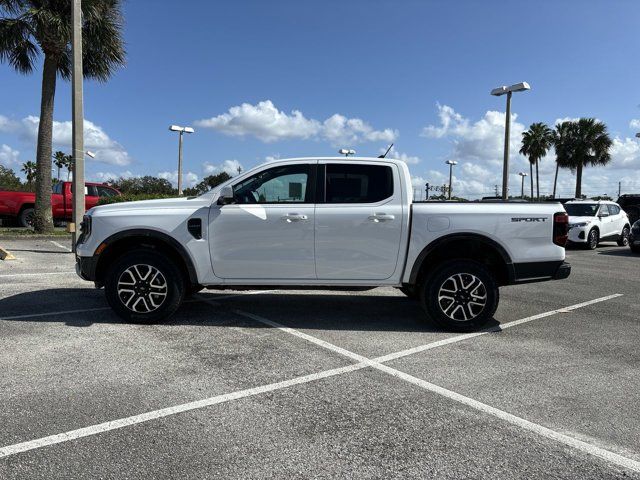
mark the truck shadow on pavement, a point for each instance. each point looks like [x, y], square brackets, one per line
[355, 312]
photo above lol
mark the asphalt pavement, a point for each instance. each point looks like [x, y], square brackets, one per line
[318, 384]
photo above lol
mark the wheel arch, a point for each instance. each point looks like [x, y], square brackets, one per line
[470, 246]
[124, 241]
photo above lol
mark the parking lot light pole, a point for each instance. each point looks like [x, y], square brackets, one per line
[518, 87]
[451, 163]
[181, 131]
[522, 174]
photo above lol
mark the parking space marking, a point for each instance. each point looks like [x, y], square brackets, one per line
[11, 275]
[498, 328]
[362, 362]
[567, 440]
[59, 245]
[165, 412]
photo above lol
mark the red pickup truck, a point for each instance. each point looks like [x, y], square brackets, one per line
[20, 205]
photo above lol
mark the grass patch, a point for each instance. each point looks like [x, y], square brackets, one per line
[6, 232]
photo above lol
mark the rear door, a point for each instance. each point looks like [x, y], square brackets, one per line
[618, 220]
[268, 232]
[358, 220]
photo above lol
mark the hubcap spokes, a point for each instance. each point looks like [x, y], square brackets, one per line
[142, 288]
[462, 297]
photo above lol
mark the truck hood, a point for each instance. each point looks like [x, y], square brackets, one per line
[168, 203]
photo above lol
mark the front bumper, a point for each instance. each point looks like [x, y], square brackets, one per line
[578, 234]
[86, 267]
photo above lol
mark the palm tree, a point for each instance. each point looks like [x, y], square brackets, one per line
[60, 161]
[30, 28]
[68, 162]
[586, 143]
[535, 143]
[29, 169]
[559, 137]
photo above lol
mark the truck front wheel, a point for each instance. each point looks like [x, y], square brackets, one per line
[460, 295]
[144, 286]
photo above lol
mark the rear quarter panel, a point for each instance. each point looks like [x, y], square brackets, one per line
[524, 230]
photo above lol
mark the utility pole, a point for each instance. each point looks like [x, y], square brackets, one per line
[77, 121]
[426, 189]
[451, 163]
[619, 188]
[522, 174]
[496, 190]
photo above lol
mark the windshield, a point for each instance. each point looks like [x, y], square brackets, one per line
[581, 209]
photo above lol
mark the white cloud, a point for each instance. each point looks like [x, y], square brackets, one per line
[8, 156]
[104, 176]
[189, 179]
[634, 124]
[96, 139]
[269, 124]
[228, 166]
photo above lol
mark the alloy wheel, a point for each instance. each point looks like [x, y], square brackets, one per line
[142, 288]
[462, 297]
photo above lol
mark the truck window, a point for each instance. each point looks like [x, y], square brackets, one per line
[57, 188]
[351, 183]
[286, 184]
[105, 191]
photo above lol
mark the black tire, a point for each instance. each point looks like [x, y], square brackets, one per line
[634, 249]
[592, 239]
[160, 297]
[454, 277]
[26, 217]
[410, 291]
[623, 241]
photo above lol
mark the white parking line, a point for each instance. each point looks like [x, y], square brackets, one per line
[60, 245]
[12, 275]
[362, 362]
[470, 402]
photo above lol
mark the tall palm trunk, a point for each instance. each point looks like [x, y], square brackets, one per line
[579, 181]
[537, 182]
[531, 178]
[555, 180]
[42, 219]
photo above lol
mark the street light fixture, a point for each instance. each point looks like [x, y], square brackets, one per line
[522, 174]
[180, 130]
[346, 152]
[518, 87]
[451, 163]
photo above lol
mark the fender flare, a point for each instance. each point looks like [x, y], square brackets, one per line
[156, 235]
[438, 242]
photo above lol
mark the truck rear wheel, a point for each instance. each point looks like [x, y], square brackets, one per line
[144, 286]
[460, 295]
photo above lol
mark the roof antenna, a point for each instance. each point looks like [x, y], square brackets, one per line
[385, 153]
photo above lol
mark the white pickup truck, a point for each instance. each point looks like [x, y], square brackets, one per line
[321, 222]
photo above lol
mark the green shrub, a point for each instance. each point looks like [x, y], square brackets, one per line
[130, 197]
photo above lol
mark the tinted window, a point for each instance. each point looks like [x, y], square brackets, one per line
[351, 183]
[57, 188]
[581, 209]
[286, 184]
[614, 209]
[105, 191]
[91, 191]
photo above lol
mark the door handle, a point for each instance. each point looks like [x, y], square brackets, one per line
[381, 217]
[294, 217]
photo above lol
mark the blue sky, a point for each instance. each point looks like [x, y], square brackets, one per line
[308, 71]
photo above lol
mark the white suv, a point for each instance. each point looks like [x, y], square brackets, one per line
[591, 222]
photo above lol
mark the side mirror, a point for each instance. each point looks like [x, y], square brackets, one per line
[226, 195]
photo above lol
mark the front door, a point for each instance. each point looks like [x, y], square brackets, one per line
[358, 221]
[268, 232]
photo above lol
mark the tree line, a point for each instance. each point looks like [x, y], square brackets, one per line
[577, 144]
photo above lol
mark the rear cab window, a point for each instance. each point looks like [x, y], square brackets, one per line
[357, 183]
